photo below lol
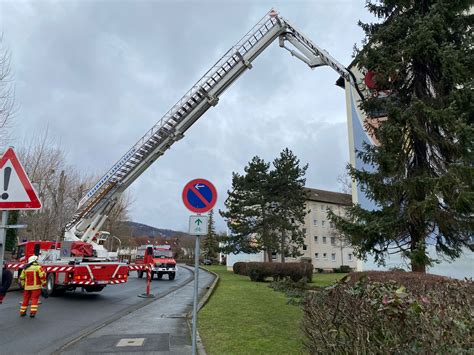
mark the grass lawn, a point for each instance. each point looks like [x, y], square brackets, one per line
[244, 317]
[323, 280]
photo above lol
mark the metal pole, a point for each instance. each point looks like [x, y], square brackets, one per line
[196, 279]
[3, 232]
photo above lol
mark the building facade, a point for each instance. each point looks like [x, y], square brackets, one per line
[323, 247]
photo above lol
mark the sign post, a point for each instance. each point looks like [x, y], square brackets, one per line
[199, 196]
[16, 193]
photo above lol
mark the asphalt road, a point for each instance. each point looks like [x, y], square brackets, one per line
[62, 319]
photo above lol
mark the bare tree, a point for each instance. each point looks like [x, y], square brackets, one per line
[7, 95]
[345, 183]
[58, 185]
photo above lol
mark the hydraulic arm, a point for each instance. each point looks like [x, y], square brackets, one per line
[96, 204]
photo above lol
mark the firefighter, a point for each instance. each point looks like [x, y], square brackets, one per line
[33, 278]
[7, 278]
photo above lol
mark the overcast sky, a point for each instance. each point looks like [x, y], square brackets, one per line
[99, 74]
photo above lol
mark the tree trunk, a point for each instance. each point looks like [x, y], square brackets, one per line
[419, 258]
[282, 247]
[269, 255]
[418, 268]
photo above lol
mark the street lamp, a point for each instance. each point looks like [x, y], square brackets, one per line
[120, 243]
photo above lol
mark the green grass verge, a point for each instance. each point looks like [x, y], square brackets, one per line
[244, 317]
[323, 280]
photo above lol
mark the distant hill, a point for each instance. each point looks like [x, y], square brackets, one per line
[141, 230]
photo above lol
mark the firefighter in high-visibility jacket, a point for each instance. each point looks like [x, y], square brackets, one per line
[32, 279]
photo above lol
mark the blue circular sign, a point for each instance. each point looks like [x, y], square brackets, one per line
[199, 195]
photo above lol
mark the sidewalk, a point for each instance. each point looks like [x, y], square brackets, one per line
[158, 328]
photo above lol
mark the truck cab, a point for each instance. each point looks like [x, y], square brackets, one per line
[161, 259]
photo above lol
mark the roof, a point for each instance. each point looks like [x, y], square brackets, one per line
[338, 198]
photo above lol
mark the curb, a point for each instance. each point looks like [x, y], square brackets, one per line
[132, 309]
[199, 344]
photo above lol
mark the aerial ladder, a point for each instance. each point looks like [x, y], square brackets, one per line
[95, 206]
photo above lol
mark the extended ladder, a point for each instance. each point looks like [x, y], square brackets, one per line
[203, 95]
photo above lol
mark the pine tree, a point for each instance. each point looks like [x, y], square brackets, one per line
[421, 53]
[211, 242]
[249, 212]
[289, 197]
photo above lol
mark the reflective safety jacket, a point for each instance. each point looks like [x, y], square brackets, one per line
[33, 277]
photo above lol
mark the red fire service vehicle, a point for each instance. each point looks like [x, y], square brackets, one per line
[161, 259]
[69, 265]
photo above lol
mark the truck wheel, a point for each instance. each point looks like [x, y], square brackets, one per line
[50, 280]
[51, 287]
[172, 276]
[140, 274]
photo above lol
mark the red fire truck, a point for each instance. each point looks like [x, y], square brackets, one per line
[161, 259]
[69, 265]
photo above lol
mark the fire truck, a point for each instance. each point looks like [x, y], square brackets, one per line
[161, 259]
[81, 259]
[69, 265]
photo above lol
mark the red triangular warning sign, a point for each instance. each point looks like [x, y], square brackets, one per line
[16, 191]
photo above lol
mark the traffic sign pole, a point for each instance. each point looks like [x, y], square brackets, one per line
[199, 196]
[196, 283]
[3, 232]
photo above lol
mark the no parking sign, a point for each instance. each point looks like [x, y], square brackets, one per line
[199, 195]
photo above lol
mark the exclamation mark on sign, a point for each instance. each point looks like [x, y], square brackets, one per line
[6, 174]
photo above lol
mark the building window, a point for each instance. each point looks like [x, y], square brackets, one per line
[315, 238]
[315, 222]
[333, 240]
[316, 256]
[292, 220]
[322, 207]
[349, 256]
[331, 224]
[333, 256]
[324, 240]
[304, 230]
[305, 247]
[323, 223]
[274, 255]
[325, 256]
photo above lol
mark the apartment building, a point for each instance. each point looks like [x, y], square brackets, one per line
[323, 246]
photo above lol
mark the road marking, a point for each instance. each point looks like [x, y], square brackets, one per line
[130, 342]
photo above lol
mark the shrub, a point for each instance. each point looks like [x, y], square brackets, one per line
[279, 271]
[259, 271]
[343, 269]
[295, 291]
[320, 270]
[240, 268]
[382, 316]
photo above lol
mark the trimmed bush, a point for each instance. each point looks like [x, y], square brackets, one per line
[343, 269]
[397, 313]
[240, 268]
[278, 271]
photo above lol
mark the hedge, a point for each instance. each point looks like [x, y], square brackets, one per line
[259, 271]
[391, 313]
[240, 268]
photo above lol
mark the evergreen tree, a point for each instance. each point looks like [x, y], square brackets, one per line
[289, 197]
[249, 211]
[211, 242]
[421, 53]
